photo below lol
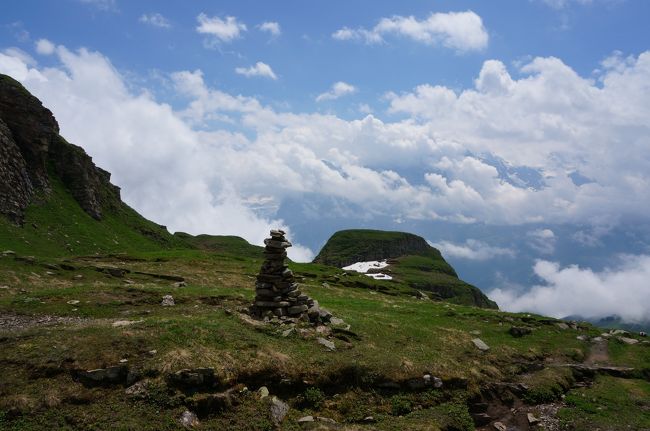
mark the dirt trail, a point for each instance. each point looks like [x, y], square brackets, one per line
[598, 353]
[16, 322]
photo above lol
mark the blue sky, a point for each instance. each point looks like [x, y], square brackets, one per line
[512, 135]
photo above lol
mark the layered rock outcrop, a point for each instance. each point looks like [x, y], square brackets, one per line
[31, 150]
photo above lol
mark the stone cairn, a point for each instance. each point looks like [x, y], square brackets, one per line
[276, 292]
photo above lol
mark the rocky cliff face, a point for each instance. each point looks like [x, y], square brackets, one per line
[31, 150]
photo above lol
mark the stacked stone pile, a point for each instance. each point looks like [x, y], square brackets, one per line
[276, 292]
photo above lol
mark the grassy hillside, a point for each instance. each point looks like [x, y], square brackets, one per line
[60, 321]
[55, 225]
[415, 266]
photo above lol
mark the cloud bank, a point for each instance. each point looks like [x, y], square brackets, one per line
[460, 31]
[224, 163]
[621, 290]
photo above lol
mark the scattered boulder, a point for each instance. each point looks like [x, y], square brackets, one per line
[73, 302]
[480, 344]
[138, 390]
[326, 343]
[279, 410]
[168, 301]
[104, 376]
[189, 420]
[192, 378]
[263, 392]
[563, 326]
[628, 341]
[499, 426]
[519, 331]
[532, 419]
[180, 284]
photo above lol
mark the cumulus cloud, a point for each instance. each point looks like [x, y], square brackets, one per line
[338, 89]
[621, 290]
[45, 47]
[271, 27]
[259, 69]
[221, 30]
[180, 186]
[432, 165]
[472, 249]
[155, 19]
[460, 31]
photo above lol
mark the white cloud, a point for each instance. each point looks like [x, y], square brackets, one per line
[622, 290]
[561, 4]
[18, 53]
[542, 240]
[461, 31]
[472, 249]
[105, 5]
[272, 27]
[222, 30]
[45, 47]
[429, 166]
[338, 89]
[155, 19]
[259, 69]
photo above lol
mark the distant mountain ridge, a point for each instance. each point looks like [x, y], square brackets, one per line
[413, 263]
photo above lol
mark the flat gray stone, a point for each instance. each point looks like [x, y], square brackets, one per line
[480, 344]
[327, 343]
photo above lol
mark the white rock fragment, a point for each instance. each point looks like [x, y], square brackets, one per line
[167, 301]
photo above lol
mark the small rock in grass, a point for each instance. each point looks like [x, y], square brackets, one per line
[336, 321]
[263, 392]
[532, 419]
[287, 332]
[306, 419]
[582, 338]
[180, 284]
[563, 326]
[138, 390]
[326, 420]
[628, 341]
[189, 419]
[369, 419]
[480, 344]
[499, 426]
[279, 410]
[120, 323]
[328, 344]
[168, 301]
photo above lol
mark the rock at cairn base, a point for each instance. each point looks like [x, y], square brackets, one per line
[276, 292]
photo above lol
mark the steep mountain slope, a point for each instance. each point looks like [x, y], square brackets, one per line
[52, 195]
[414, 263]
